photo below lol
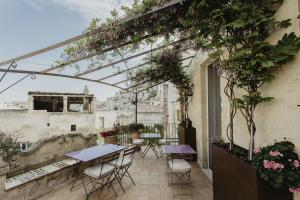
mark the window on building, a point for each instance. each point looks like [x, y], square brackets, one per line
[49, 103]
[73, 128]
[101, 122]
[79, 104]
[25, 146]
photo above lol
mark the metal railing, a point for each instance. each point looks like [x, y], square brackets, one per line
[168, 131]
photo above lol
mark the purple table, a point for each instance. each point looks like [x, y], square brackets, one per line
[89, 154]
[92, 153]
[150, 142]
[178, 149]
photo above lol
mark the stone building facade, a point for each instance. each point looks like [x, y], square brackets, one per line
[50, 114]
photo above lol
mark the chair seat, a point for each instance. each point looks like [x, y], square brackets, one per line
[138, 141]
[179, 166]
[96, 170]
[162, 141]
[118, 163]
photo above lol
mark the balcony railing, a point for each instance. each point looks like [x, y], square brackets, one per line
[168, 131]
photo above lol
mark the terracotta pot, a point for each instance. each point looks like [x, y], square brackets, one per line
[135, 135]
[111, 139]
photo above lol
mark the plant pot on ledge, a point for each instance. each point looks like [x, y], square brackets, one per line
[235, 179]
[135, 128]
[135, 135]
[111, 139]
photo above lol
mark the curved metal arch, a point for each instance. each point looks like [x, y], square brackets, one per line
[60, 75]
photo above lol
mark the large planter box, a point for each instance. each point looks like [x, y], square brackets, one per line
[234, 179]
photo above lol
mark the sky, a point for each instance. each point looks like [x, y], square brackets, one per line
[28, 25]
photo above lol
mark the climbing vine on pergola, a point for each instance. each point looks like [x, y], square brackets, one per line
[233, 32]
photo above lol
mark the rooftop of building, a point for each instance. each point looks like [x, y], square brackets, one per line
[58, 93]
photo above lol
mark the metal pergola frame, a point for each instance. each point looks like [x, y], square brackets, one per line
[84, 35]
[80, 76]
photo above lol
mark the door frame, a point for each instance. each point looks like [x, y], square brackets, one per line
[218, 112]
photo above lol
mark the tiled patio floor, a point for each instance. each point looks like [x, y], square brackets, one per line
[151, 179]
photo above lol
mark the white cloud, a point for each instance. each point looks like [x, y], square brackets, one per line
[90, 9]
[35, 5]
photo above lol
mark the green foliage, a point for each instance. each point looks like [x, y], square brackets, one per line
[135, 127]
[8, 146]
[254, 98]
[278, 165]
[233, 32]
[167, 66]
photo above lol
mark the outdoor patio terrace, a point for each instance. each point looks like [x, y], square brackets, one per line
[151, 178]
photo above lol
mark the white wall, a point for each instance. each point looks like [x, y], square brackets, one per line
[275, 120]
[110, 118]
[32, 126]
[150, 117]
[279, 118]
[173, 106]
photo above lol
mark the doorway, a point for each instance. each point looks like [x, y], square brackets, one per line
[214, 108]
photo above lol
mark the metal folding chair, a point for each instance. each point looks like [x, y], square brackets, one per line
[123, 164]
[100, 176]
[180, 169]
[138, 143]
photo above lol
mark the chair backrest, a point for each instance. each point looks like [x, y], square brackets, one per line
[172, 141]
[110, 157]
[107, 159]
[129, 153]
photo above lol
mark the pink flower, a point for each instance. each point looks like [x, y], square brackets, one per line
[275, 153]
[267, 164]
[257, 150]
[272, 165]
[294, 190]
[278, 166]
[296, 163]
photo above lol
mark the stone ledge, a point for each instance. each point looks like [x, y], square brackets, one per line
[61, 138]
[38, 173]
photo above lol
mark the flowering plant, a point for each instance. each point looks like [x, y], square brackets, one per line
[279, 165]
[108, 133]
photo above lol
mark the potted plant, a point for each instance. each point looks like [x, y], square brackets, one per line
[110, 137]
[273, 173]
[135, 128]
[9, 148]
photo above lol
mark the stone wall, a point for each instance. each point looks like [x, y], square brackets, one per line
[51, 149]
[35, 125]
